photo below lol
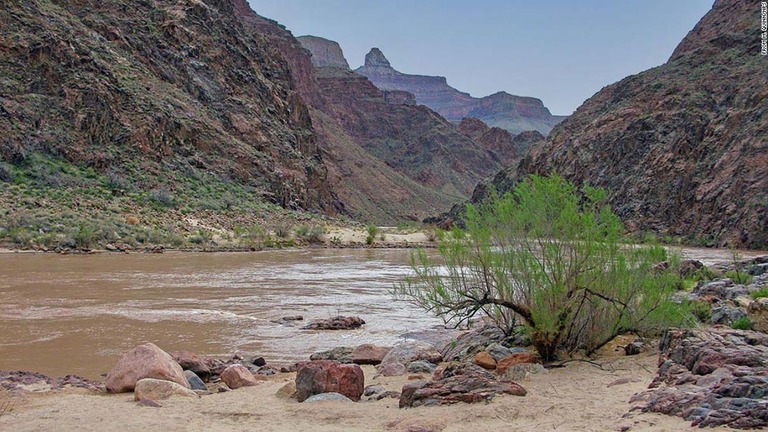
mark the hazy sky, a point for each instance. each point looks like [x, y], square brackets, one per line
[561, 51]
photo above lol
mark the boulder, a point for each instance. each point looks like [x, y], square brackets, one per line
[485, 360]
[335, 323]
[194, 381]
[758, 314]
[723, 289]
[724, 314]
[407, 352]
[369, 354]
[514, 359]
[236, 376]
[339, 354]
[155, 389]
[456, 382]
[471, 342]
[497, 351]
[634, 348]
[323, 376]
[144, 361]
[324, 397]
[191, 362]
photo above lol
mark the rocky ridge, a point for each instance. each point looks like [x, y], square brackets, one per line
[681, 148]
[513, 113]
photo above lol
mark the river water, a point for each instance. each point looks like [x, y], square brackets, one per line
[76, 314]
[69, 314]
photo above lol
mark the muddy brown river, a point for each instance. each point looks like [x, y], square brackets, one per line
[68, 314]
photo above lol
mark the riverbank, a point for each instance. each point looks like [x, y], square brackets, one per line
[578, 397]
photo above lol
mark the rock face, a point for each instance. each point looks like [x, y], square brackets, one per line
[457, 382]
[407, 352]
[316, 377]
[681, 148]
[144, 361]
[507, 148]
[154, 389]
[387, 159]
[186, 94]
[324, 52]
[513, 113]
[190, 361]
[711, 378]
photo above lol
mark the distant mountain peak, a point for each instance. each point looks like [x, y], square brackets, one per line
[376, 58]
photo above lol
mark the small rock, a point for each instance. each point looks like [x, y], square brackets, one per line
[758, 314]
[373, 389]
[420, 366]
[725, 314]
[325, 397]
[339, 354]
[288, 391]
[194, 381]
[514, 359]
[155, 389]
[634, 348]
[223, 388]
[148, 403]
[259, 361]
[689, 267]
[191, 362]
[519, 371]
[485, 360]
[237, 376]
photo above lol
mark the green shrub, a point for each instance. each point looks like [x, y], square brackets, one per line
[85, 236]
[702, 310]
[738, 277]
[372, 230]
[761, 293]
[552, 259]
[742, 323]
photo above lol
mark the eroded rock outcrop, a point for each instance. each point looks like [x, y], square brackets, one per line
[711, 378]
[324, 52]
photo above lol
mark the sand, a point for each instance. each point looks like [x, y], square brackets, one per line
[576, 397]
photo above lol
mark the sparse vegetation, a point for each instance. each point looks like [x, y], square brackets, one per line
[761, 293]
[742, 323]
[738, 277]
[372, 231]
[549, 258]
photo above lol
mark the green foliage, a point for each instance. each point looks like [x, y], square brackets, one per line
[283, 230]
[742, 323]
[85, 236]
[761, 293]
[372, 231]
[549, 257]
[738, 277]
[702, 310]
[311, 234]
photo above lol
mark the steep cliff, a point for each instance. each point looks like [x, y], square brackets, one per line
[324, 52]
[513, 113]
[682, 148]
[388, 159]
[161, 111]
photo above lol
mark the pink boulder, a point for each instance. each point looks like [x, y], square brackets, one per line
[237, 376]
[369, 354]
[324, 376]
[144, 361]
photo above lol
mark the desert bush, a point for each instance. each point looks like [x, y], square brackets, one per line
[702, 310]
[738, 277]
[311, 234]
[372, 230]
[283, 230]
[761, 293]
[742, 323]
[550, 258]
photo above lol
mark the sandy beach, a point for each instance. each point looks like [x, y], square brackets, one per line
[577, 397]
